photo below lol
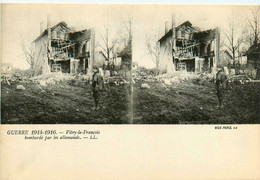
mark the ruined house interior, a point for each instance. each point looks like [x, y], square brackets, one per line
[58, 48]
[186, 48]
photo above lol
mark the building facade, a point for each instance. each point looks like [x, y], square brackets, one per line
[186, 48]
[58, 48]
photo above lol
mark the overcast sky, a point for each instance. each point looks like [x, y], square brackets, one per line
[23, 20]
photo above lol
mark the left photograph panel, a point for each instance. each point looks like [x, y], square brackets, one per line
[66, 64]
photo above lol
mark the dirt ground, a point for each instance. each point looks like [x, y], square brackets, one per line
[191, 103]
[180, 103]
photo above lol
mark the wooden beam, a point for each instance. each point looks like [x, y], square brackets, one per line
[66, 46]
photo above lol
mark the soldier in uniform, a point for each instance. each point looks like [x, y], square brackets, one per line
[221, 83]
[97, 85]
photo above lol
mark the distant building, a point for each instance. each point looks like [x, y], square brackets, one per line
[100, 59]
[253, 58]
[186, 48]
[6, 67]
[126, 60]
[242, 58]
[116, 60]
[126, 56]
[225, 59]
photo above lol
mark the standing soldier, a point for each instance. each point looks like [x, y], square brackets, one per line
[97, 85]
[221, 81]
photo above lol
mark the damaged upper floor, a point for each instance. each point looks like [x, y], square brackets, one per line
[187, 41]
[64, 43]
[186, 48]
[60, 48]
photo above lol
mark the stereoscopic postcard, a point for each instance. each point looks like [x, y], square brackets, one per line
[130, 91]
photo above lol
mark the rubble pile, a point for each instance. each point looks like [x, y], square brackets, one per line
[11, 77]
[145, 86]
[83, 80]
[20, 87]
[116, 80]
[51, 78]
[239, 79]
[177, 77]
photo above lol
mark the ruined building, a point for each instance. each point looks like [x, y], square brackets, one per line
[186, 48]
[58, 48]
[126, 56]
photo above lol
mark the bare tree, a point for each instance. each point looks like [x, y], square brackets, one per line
[128, 22]
[153, 48]
[108, 42]
[124, 33]
[234, 36]
[124, 43]
[253, 23]
[28, 52]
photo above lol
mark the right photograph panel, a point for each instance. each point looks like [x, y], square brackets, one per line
[196, 65]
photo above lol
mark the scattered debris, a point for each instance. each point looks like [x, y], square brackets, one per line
[164, 86]
[42, 83]
[107, 73]
[8, 82]
[167, 81]
[232, 72]
[239, 78]
[13, 120]
[50, 81]
[20, 87]
[53, 78]
[145, 86]
[123, 80]
[180, 76]
[252, 81]
[40, 88]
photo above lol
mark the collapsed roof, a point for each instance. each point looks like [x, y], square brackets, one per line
[187, 24]
[79, 35]
[62, 24]
[204, 36]
[70, 35]
[199, 36]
